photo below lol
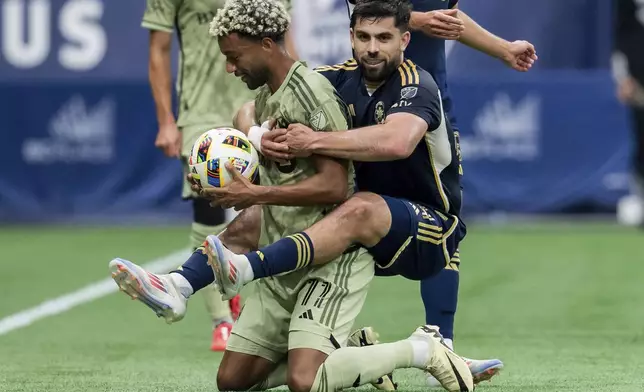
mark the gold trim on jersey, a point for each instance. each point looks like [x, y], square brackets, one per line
[408, 73]
[352, 110]
[348, 65]
[454, 262]
[447, 234]
[400, 250]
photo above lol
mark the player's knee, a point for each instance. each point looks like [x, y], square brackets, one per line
[303, 366]
[360, 213]
[241, 235]
[301, 380]
[229, 379]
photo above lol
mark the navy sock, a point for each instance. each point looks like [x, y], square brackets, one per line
[288, 254]
[197, 271]
[440, 296]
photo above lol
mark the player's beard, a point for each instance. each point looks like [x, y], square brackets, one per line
[380, 73]
[255, 78]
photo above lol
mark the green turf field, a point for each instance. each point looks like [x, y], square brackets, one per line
[561, 305]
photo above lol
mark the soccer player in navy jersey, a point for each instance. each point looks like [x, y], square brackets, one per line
[432, 22]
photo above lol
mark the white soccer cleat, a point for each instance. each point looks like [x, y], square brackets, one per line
[158, 292]
[226, 266]
[368, 337]
[481, 369]
[446, 366]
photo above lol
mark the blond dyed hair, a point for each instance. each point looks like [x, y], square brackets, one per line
[254, 18]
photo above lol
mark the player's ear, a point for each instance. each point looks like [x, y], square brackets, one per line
[404, 40]
[267, 43]
[351, 36]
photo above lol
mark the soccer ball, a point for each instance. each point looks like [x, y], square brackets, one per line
[216, 147]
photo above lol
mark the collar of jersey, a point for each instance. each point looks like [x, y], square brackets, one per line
[295, 66]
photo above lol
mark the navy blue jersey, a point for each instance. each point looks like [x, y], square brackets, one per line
[428, 52]
[431, 175]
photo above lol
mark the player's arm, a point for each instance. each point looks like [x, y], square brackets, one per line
[328, 186]
[519, 55]
[159, 20]
[405, 126]
[395, 139]
[330, 183]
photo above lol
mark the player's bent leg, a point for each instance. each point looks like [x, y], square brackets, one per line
[260, 332]
[258, 364]
[366, 336]
[363, 219]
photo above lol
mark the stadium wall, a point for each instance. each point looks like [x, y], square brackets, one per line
[78, 119]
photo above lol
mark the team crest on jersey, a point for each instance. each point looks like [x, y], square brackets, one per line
[318, 120]
[380, 112]
[408, 92]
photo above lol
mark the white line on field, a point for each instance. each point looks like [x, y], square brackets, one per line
[86, 294]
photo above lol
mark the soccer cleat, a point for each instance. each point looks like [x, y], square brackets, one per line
[225, 266]
[367, 337]
[158, 292]
[235, 307]
[482, 370]
[220, 336]
[445, 365]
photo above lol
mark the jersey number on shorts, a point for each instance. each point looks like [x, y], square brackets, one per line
[316, 285]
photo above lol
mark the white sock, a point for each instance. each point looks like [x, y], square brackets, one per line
[246, 269]
[449, 343]
[185, 288]
[422, 352]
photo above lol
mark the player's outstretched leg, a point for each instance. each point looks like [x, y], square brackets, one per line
[354, 366]
[167, 294]
[368, 337]
[363, 219]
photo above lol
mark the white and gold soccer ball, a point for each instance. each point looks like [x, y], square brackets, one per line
[213, 149]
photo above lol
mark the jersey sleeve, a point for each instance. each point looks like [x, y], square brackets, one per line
[337, 74]
[333, 76]
[331, 115]
[160, 15]
[421, 100]
[452, 3]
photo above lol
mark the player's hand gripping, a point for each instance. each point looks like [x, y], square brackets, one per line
[239, 194]
[169, 140]
[443, 24]
[298, 138]
[273, 146]
[520, 56]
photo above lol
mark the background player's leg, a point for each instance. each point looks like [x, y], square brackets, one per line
[206, 221]
[363, 219]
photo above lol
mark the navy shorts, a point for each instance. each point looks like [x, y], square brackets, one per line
[420, 243]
